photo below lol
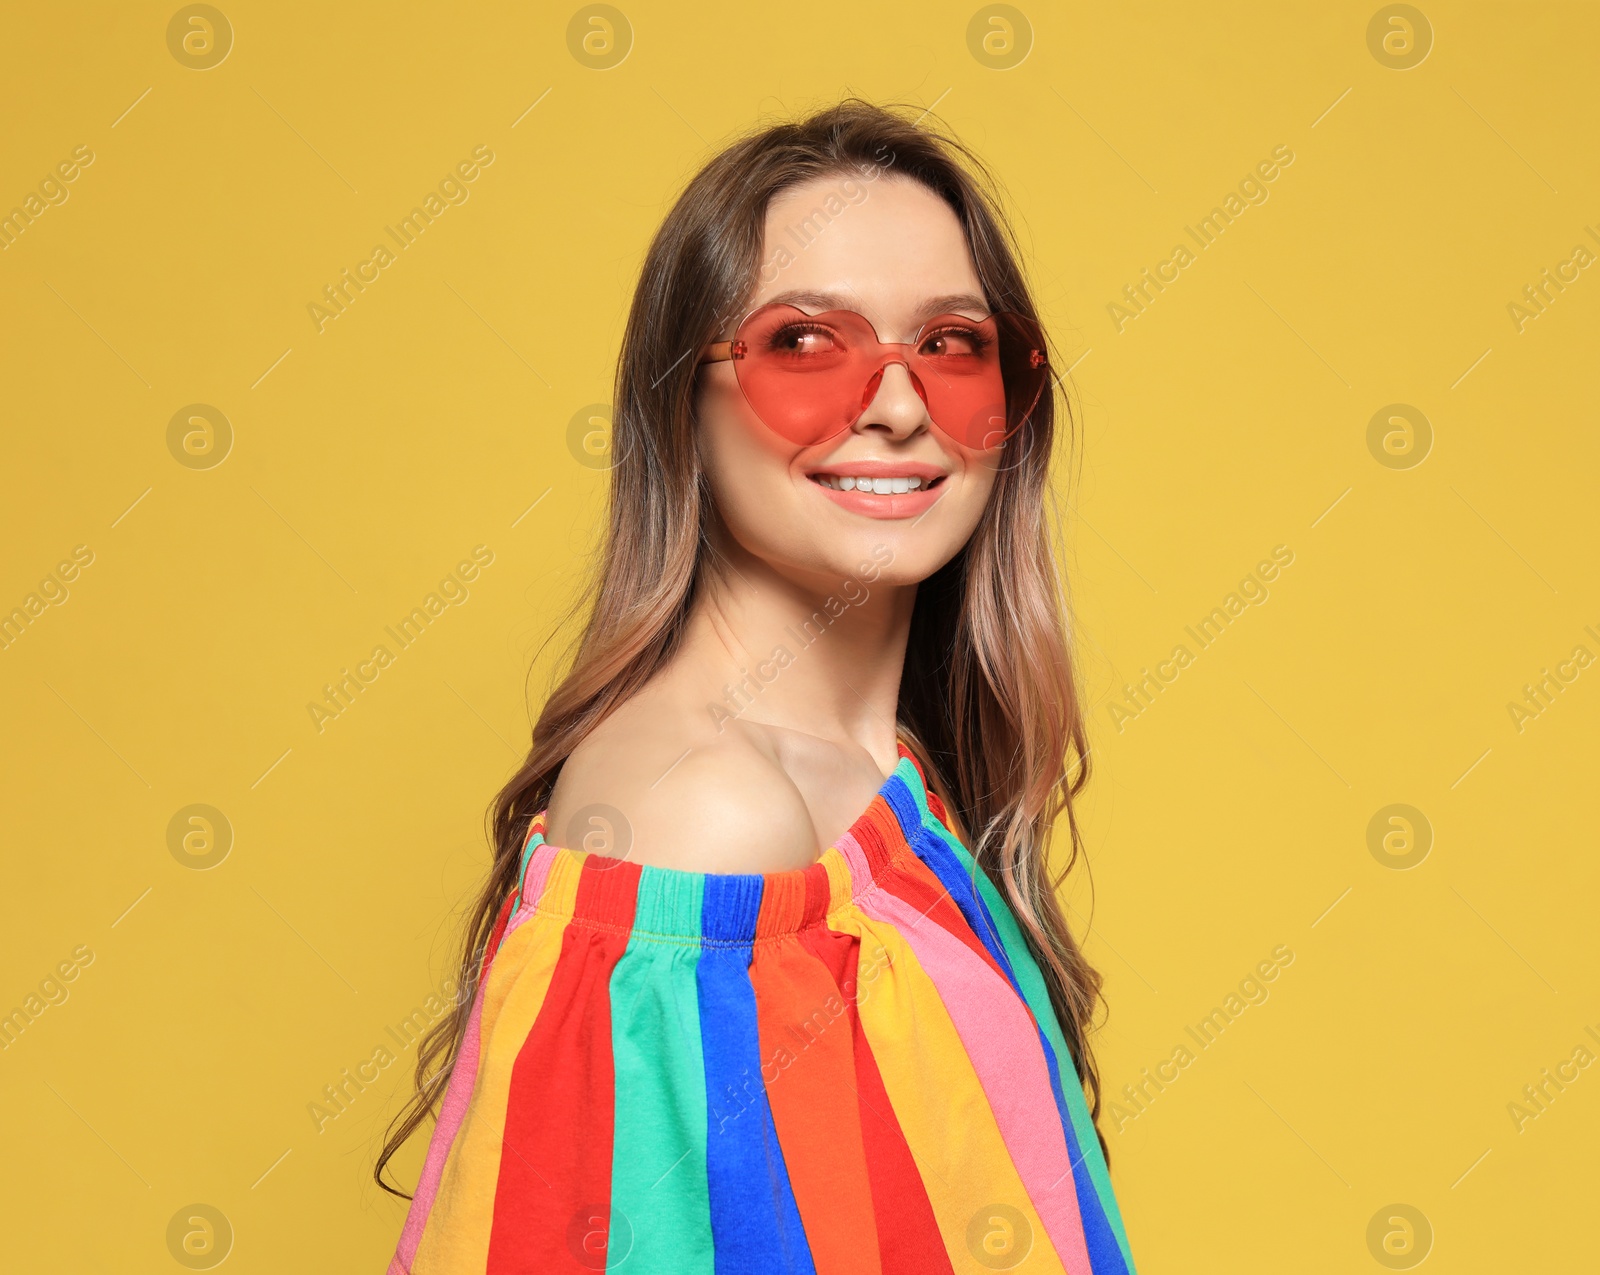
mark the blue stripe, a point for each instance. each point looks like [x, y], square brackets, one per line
[936, 853]
[755, 1223]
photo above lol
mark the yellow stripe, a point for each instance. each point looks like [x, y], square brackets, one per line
[457, 1235]
[939, 1100]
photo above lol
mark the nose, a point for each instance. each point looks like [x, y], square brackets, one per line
[894, 403]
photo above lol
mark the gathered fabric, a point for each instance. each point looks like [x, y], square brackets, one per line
[848, 1069]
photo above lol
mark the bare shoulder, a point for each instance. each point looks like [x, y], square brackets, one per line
[644, 788]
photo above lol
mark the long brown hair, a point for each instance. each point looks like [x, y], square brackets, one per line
[988, 699]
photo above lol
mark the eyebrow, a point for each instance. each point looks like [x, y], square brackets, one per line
[948, 303]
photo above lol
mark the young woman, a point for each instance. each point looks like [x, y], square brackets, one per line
[827, 615]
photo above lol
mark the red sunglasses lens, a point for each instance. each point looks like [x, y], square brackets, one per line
[809, 377]
[804, 373]
[983, 377]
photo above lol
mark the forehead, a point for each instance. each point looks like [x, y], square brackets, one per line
[888, 248]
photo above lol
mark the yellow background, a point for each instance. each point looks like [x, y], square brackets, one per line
[1227, 819]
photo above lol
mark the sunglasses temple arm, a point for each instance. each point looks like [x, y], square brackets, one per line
[717, 352]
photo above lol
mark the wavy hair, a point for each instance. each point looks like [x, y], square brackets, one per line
[989, 699]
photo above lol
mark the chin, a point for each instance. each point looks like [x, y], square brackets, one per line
[885, 556]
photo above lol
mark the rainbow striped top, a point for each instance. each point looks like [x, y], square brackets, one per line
[848, 1069]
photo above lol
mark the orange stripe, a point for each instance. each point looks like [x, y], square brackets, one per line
[909, 1242]
[808, 1067]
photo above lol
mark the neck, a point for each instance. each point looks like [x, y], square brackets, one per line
[812, 652]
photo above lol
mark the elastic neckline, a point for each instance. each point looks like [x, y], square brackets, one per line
[716, 909]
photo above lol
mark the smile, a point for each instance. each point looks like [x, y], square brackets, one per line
[888, 489]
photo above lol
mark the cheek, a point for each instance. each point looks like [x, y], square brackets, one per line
[964, 517]
[746, 464]
[722, 414]
[980, 476]
[974, 485]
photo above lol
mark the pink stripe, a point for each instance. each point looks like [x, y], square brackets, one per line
[533, 884]
[457, 1095]
[462, 1078]
[1002, 1042]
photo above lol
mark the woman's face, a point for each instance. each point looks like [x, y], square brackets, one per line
[896, 254]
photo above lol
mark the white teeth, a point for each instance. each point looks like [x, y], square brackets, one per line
[878, 486]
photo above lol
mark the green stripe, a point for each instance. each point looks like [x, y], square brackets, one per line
[1037, 997]
[658, 1170]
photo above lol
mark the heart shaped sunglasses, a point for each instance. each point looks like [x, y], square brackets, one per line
[808, 377]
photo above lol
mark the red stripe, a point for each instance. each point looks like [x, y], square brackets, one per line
[909, 1242]
[552, 1203]
[495, 936]
[915, 882]
[900, 747]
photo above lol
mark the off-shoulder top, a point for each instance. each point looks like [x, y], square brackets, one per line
[850, 1069]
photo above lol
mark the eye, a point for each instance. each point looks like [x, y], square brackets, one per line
[956, 341]
[802, 340]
